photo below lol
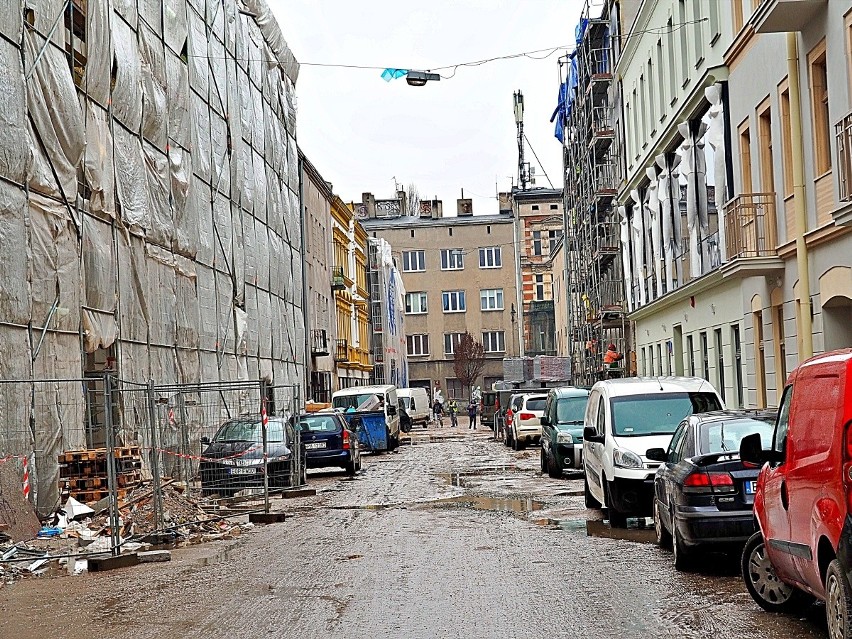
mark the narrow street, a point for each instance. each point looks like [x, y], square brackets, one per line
[455, 538]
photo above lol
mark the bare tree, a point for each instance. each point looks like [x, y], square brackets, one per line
[469, 360]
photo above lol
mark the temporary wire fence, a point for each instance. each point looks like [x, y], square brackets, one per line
[103, 441]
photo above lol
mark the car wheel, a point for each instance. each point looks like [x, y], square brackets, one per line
[617, 519]
[553, 470]
[590, 500]
[517, 445]
[543, 462]
[350, 468]
[838, 602]
[682, 557]
[769, 592]
[664, 537]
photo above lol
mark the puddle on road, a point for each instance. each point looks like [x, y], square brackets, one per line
[517, 505]
[638, 533]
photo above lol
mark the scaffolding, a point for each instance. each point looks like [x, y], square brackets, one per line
[594, 273]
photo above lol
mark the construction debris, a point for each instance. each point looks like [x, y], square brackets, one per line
[83, 473]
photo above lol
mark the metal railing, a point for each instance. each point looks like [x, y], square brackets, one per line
[843, 137]
[602, 122]
[341, 350]
[598, 61]
[338, 278]
[319, 341]
[750, 225]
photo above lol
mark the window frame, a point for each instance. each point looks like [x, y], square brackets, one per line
[496, 254]
[461, 301]
[453, 342]
[485, 296]
[423, 306]
[820, 115]
[500, 339]
[452, 259]
[406, 261]
[422, 342]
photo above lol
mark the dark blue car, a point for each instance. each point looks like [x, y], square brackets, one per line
[329, 441]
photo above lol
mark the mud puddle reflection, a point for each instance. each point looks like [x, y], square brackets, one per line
[638, 533]
[517, 505]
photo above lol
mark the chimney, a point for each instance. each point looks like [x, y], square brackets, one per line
[505, 203]
[464, 207]
[368, 200]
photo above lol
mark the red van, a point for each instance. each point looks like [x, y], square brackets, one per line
[803, 498]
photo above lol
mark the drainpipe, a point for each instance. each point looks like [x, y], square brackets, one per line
[803, 310]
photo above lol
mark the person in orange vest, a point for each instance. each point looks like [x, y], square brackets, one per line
[612, 356]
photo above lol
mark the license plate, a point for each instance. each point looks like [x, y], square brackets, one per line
[314, 445]
[242, 471]
[750, 487]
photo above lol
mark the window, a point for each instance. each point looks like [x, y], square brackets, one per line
[738, 16]
[643, 101]
[553, 237]
[651, 360]
[494, 341]
[453, 301]
[652, 110]
[413, 261]
[490, 257]
[415, 303]
[659, 360]
[738, 363]
[690, 355]
[684, 44]
[779, 442]
[538, 291]
[780, 348]
[705, 357]
[698, 25]
[536, 242]
[452, 259]
[764, 132]
[661, 79]
[786, 140]
[451, 340]
[720, 361]
[450, 231]
[75, 39]
[535, 207]
[455, 389]
[491, 299]
[745, 158]
[760, 359]
[715, 30]
[554, 207]
[671, 71]
[417, 344]
[819, 106]
[675, 447]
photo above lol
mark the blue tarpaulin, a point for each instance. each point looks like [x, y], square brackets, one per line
[393, 74]
[568, 89]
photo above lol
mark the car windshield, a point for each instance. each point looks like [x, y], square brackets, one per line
[406, 402]
[489, 399]
[372, 400]
[536, 403]
[570, 410]
[249, 430]
[658, 413]
[319, 424]
[725, 436]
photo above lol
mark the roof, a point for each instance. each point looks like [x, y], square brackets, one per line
[760, 414]
[650, 385]
[363, 390]
[570, 391]
[539, 194]
[425, 222]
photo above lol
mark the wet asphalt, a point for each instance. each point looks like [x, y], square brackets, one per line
[454, 535]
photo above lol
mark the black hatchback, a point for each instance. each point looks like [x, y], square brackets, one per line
[703, 493]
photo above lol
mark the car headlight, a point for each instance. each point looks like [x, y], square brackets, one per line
[564, 438]
[626, 459]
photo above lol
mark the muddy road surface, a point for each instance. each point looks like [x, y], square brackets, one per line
[455, 538]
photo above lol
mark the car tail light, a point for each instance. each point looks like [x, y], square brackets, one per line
[345, 439]
[704, 482]
[509, 416]
[526, 416]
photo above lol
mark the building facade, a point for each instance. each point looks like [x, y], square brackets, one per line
[735, 200]
[459, 276]
[351, 350]
[387, 304]
[320, 304]
[539, 225]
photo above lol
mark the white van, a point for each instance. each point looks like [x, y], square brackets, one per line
[624, 418]
[382, 397]
[416, 403]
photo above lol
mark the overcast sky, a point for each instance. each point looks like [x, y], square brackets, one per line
[362, 132]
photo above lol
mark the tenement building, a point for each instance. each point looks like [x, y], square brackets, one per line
[459, 275]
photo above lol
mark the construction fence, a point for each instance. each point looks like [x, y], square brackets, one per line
[116, 440]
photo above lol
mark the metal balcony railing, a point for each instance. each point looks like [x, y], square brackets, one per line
[598, 62]
[750, 225]
[602, 122]
[319, 341]
[341, 350]
[843, 136]
[338, 279]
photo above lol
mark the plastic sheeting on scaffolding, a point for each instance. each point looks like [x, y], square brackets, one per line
[149, 208]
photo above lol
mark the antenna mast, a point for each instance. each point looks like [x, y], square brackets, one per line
[523, 167]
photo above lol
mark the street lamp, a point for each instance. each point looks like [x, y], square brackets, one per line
[419, 78]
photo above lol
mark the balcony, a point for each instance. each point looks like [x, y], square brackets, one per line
[843, 137]
[319, 342]
[750, 237]
[338, 279]
[341, 350]
[778, 16]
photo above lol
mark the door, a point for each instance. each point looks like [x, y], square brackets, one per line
[664, 477]
[593, 452]
[548, 432]
[776, 499]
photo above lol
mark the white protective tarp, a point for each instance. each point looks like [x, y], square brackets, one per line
[96, 74]
[14, 144]
[14, 289]
[127, 83]
[274, 38]
[99, 161]
[131, 178]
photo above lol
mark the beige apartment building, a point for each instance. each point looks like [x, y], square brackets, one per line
[459, 275]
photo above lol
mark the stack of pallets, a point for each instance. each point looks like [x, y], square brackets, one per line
[83, 473]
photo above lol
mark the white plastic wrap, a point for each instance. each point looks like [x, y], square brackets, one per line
[177, 94]
[223, 231]
[262, 254]
[11, 19]
[201, 160]
[127, 87]
[207, 313]
[157, 171]
[96, 74]
[200, 207]
[99, 161]
[259, 171]
[174, 24]
[273, 36]
[99, 277]
[154, 111]
[161, 295]
[217, 71]
[14, 143]
[14, 289]
[131, 179]
[238, 264]
[250, 250]
[276, 268]
[185, 239]
[186, 304]
[198, 52]
[133, 284]
[151, 11]
[264, 320]
[221, 174]
[127, 9]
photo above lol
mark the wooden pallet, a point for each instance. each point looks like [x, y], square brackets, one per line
[124, 480]
[98, 467]
[96, 454]
[89, 496]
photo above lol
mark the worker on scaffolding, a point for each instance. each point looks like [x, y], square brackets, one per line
[611, 362]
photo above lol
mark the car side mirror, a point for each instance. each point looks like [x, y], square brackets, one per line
[205, 440]
[391, 410]
[590, 434]
[752, 451]
[656, 454]
[545, 420]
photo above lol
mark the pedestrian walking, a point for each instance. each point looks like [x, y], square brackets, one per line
[471, 413]
[438, 409]
[453, 408]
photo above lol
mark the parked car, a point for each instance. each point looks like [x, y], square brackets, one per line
[514, 404]
[803, 503]
[526, 420]
[703, 492]
[624, 418]
[488, 409]
[233, 458]
[562, 430]
[416, 403]
[328, 441]
[382, 398]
